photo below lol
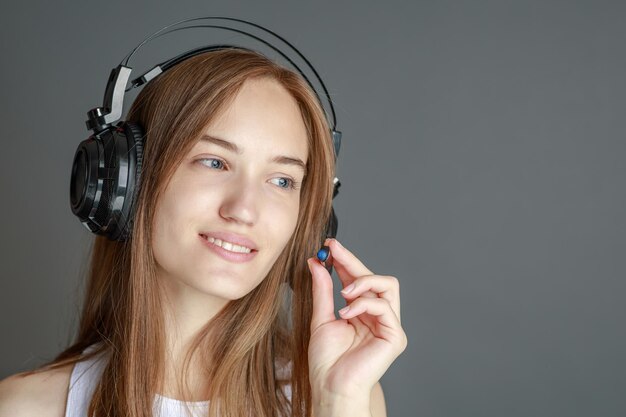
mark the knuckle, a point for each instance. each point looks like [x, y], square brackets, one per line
[403, 342]
[395, 282]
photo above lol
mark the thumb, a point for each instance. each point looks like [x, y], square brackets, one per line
[323, 303]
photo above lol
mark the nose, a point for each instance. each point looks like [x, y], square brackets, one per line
[240, 203]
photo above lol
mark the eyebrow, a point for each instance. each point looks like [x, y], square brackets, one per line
[221, 142]
[279, 159]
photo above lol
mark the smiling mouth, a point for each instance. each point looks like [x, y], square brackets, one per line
[229, 246]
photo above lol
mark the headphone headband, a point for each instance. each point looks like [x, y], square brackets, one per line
[111, 111]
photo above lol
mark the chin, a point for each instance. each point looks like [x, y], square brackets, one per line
[225, 286]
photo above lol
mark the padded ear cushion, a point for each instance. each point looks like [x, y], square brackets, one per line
[131, 143]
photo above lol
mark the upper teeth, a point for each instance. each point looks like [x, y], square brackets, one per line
[229, 246]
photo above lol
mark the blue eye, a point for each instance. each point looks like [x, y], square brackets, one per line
[285, 182]
[216, 163]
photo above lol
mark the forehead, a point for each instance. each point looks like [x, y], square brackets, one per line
[262, 118]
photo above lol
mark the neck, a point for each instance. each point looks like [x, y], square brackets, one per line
[186, 312]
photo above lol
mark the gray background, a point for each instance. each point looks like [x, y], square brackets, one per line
[482, 164]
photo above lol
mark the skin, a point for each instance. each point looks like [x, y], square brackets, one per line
[245, 195]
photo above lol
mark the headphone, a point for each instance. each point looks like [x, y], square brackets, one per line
[107, 166]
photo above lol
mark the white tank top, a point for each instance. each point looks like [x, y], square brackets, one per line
[86, 375]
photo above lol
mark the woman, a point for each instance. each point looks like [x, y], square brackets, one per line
[193, 310]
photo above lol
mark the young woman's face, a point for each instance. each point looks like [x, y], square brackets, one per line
[235, 185]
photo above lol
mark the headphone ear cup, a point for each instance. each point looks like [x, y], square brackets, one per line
[105, 178]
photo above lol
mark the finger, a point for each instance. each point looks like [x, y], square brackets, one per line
[389, 329]
[328, 263]
[347, 265]
[383, 286]
[343, 259]
[351, 268]
[322, 288]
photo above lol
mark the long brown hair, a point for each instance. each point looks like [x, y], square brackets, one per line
[122, 312]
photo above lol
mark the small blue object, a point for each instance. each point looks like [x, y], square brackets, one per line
[323, 253]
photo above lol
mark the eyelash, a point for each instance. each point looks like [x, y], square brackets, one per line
[293, 184]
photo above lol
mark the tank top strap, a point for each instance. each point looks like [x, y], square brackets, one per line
[83, 381]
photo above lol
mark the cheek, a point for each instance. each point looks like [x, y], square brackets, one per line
[181, 202]
[284, 220]
[172, 221]
[163, 238]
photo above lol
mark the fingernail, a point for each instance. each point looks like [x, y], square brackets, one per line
[348, 289]
[339, 243]
[344, 310]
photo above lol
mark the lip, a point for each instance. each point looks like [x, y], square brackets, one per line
[232, 238]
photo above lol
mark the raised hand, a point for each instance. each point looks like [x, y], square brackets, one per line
[348, 356]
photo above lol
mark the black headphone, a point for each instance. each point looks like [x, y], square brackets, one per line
[107, 165]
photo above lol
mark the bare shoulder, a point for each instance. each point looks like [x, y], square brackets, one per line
[377, 401]
[41, 394]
